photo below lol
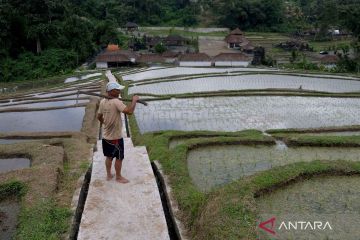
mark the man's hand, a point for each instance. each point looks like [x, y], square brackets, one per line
[135, 98]
[130, 109]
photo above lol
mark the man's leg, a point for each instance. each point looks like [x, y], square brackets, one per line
[108, 163]
[119, 178]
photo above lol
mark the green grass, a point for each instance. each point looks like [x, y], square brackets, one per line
[322, 141]
[12, 188]
[44, 221]
[325, 45]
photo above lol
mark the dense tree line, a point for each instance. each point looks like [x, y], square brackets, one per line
[40, 38]
[281, 15]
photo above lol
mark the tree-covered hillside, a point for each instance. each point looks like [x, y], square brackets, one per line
[40, 38]
[281, 15]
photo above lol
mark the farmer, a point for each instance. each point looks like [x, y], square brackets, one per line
[109, 116]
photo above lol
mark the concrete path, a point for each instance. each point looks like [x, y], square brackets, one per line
[117, 211]
[123, 211]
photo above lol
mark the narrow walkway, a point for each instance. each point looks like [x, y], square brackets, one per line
[117, 211]
[123, 211]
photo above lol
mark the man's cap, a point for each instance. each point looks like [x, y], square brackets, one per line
[113, 85]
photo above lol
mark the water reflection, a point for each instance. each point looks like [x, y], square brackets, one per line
[69, 119]
[10, 164]
[217, 165]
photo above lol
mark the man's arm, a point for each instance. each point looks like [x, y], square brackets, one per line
[130, 109]
[100, 117]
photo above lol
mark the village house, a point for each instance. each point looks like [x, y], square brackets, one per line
[329, 61]
[150, 59]
[231, 60]
[237, 40]
[112, 56]
[170, 57]
[195, 60]
[131, 27]
[176, 43]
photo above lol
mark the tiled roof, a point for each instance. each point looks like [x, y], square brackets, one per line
[329, 59]
[112, 47]
[116, 56]
[236, 31]
[235, 39]
[231, 57]
[144, 58]
[169, 54]
[131, 24]
[197, 57]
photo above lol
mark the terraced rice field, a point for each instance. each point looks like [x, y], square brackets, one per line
[214, 166]
[177, 71]
[245, 82]
[240, 113]
[327, 199]
[69, 119]
[83, 77]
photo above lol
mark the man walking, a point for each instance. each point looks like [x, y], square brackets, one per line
[109, 116]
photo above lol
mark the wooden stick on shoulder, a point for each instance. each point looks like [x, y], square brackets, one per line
[108, 97]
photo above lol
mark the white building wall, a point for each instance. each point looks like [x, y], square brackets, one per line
[101, 65]
[195, 64]
[232, 63]
[170, 60]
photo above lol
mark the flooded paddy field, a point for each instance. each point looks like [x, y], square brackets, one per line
[10, 164]
[69, 119]
[247, 82]
[344, 133]
[332, 199]
[12, 141]
[177, 71]
[9, 211]
[240, 113]
[217, 165]
[48, 104]
[83, 77]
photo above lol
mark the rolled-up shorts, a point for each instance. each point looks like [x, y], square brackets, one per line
[113, 148]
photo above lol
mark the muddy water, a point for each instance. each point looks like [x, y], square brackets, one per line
[217, 165]
[239, 113]
[261, 81]
[69, 119]
[9, 211]
[10, 164]
[327, 199]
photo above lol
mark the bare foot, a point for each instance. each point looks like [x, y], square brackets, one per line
[109, 177]
[122, 180]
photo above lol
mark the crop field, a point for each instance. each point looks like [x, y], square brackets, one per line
[210, 132]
